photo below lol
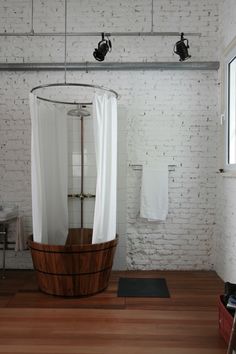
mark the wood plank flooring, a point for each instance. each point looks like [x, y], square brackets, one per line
[185, 323]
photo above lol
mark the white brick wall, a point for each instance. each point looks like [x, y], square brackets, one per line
[225, 231]
[227, 11]
[225, 235]
[177, 123]
[169, 114]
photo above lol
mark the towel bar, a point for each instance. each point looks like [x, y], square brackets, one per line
[139, 167]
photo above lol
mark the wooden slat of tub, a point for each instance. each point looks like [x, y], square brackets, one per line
[73, 270]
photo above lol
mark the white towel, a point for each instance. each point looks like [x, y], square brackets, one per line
[154, 193]
[21, 241]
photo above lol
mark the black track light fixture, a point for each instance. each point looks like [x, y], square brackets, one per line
[104, 46]
[181, 48]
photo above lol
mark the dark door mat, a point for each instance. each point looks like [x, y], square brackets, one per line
[143, 287]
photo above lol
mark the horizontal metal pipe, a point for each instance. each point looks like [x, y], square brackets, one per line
[81, 195]
[95, 34]
[130, 66]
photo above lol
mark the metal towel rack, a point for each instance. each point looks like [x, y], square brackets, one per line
[139, 167]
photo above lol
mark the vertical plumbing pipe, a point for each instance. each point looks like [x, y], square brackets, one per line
[152, 18]
[65, 54]
[82, 175]
[32, 18]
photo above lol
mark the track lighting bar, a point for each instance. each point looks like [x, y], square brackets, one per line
[131, 66]
[94, 34]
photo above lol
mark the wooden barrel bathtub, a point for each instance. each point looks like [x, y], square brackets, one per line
[79, 268]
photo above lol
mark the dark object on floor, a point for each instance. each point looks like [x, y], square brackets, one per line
[143, 287]
[230, 289]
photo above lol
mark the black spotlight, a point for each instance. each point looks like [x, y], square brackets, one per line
[181, 48]
[104, 46]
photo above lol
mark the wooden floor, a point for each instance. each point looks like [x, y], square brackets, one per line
[186, 323]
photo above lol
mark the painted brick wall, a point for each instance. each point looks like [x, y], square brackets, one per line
[177, 124]
[170, 115]
[225, 232]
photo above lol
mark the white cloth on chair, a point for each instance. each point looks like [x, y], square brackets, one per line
[154, 193]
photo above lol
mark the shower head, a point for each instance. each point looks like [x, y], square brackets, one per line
[79, 112]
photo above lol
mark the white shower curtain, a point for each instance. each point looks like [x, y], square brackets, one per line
[49, 172]
[105, 133]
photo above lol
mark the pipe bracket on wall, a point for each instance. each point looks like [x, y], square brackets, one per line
[81, 196]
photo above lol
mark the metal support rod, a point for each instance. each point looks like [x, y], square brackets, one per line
[32, 17]
[95, 34]
[4, 256]
[82, 172]
[3, 233]
[131, 66]
[152, 18]
[65, 40]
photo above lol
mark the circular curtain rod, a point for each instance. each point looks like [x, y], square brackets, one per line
[70, 84]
